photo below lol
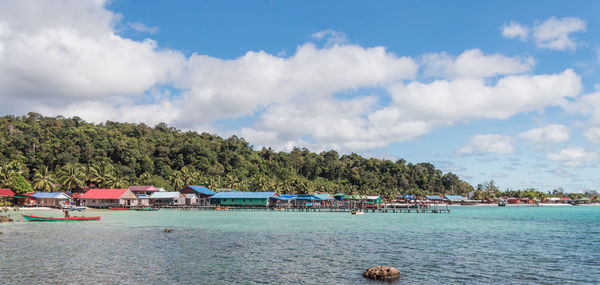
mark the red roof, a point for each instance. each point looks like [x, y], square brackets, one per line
[6, 192]
[103, 194]
[144, 188]
[566, 199]
[28, 193]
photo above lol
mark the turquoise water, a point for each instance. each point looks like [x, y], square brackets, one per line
[545, 245]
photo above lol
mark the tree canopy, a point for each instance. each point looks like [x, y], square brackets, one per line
[66, 153]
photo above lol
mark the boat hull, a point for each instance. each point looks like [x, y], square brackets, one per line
[52, 219]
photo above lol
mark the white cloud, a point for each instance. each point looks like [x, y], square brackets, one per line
[545, 135]
[233, 88]
[575, 156]
[553, 33]
[486, 144]
[52, 56]
[333, 37]
[515, 30]
[66, 57]
[141, 28]
[473, 63]
[593, 135]
[556, 33]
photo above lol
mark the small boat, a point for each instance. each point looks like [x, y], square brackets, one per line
[72, 208]
[53, 219]
[502, 203]
[358, 213]
[146, 209]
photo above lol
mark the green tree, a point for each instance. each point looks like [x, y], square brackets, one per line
[43, 180]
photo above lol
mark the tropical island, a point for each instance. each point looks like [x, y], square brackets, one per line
[39, 153]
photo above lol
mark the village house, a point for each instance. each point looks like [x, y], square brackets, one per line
[249, 199]
[143, 189]
[191, 199]
[103, 198]
[202, 193]
[51, 199]
[167, 199]
[6, 194]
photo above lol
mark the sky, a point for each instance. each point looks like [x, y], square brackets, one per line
[504, 90]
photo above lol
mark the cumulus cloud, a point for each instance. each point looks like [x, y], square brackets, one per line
[545, 135]
[514, 30]
[66, 57]
[52, 56]
[486, 144]
[473, 63]
[575, 156]
[552, 33]
[556, 33]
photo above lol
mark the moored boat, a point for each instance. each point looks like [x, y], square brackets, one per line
[53, 219]
[146, 209]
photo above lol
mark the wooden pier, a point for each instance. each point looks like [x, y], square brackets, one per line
[417, 208]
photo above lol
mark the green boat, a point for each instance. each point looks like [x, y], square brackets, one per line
[146, 209]
[52, 219]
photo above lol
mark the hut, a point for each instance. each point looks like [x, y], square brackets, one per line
[103, 198]
[167, 199]
[566, 200]
[455, 198]
[375, 200]
[6, 194]
[51, 199]
[143, 189]
[200, 191]
[144, 200]
[191, 199]
[256, 199]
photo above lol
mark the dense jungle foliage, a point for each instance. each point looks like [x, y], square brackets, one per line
[57, 154]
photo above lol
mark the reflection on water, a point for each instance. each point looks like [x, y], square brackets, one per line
[470, 245]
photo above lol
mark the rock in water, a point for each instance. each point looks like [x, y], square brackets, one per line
[382, 273]
[168, 230]
[5, 219]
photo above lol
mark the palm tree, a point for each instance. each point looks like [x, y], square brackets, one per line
[44, 180]
[116, 182]
[177, 180]
[103, 173]
[145, 178]
[71, 176]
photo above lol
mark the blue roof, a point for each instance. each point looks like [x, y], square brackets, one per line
[455, 197]
[434, 197]
[411, 196]
[202, 190]
[243, 195]
[51, 195]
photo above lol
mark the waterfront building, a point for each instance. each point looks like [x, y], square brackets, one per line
[6, 194]
[143, 189]
[51, 199]
[455, 198]
[200, 191]
[191, 199]
[103, 198]
[167, 199]
[339, 196]
[260, 199]
[375, 200]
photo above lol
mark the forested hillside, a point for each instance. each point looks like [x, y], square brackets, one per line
[48, 153]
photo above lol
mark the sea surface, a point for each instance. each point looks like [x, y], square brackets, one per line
[470, 245]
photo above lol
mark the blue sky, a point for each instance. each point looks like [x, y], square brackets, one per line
[505, 90]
